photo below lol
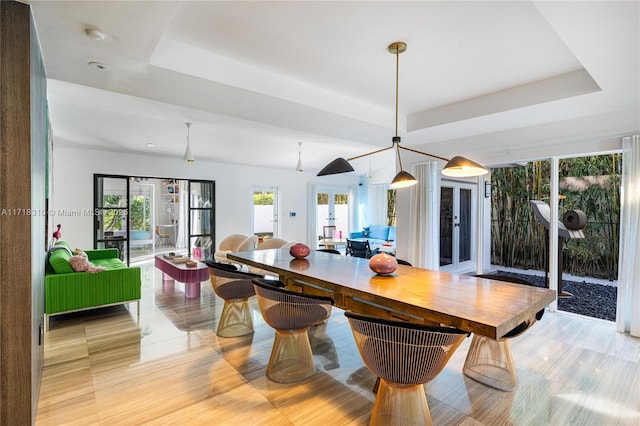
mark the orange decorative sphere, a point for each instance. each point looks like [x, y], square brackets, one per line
[299, 251]
[383, 264]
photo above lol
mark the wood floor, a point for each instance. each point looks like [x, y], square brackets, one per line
[103, 368]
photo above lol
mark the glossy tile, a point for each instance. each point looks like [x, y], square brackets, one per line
[104, 367]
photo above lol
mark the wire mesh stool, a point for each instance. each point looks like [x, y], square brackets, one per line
[235, 288]
[290, 314]
[404, 356]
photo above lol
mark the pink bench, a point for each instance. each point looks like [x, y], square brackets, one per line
[190, 276]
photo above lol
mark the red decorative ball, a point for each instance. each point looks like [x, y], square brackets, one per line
[299, 251]
[383, 264]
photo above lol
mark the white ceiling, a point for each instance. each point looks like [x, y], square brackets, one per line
[256, 78]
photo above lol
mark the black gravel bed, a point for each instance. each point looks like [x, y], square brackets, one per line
[589, 299]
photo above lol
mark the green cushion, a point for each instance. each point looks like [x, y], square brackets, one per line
[59, 261]
[110, 264]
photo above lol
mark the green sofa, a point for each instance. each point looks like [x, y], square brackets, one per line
[69, 291]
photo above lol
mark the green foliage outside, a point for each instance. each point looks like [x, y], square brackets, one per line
[590, 184]
[112, 219]
[140, 213]
[391, 207]
[341, 199]
[140, 218]
[323, 199]
[263, 198]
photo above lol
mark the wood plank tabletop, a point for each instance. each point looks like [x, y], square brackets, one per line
[487, 307]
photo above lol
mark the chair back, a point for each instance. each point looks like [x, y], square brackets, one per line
[328, 231]
[288, 310]
[230, 283]
[231, 242]
[401, 352]
[332, 251]
[272, 243]
[504, 278]
[358, 249]
[523, 326]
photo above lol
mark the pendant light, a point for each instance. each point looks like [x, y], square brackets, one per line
[188, 155]
[457, 166]
[402, 179]
[299, 166]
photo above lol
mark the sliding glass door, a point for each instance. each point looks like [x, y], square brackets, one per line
[142, 216]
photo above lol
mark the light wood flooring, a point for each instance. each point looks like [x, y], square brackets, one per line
[103, 368]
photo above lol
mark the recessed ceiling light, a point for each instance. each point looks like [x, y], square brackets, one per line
[94, 33]
[99, 66]
[150, 145]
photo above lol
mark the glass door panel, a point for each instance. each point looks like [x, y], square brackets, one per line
[201, 219]
[322, 213]
[111, 225]
[446, 226]
[265, 213]
[204, 191]
[141, 201]
[341, 213]
[457, 213]
[464, 226]
[332, 209]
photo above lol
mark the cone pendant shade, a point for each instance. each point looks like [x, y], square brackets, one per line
[403, 180]
[299, 167]
[463, 167]
[339, 165]
[188, 155]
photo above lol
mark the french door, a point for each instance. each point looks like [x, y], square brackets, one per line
[457, 218]
[332, 210]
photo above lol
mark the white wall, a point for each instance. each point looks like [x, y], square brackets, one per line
[73, 171]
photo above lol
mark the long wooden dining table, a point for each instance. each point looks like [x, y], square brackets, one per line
[479, 305]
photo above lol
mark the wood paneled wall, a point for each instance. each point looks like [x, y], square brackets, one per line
[22, 153]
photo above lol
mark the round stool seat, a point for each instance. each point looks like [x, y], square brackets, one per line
[239, 289]
[293, 317]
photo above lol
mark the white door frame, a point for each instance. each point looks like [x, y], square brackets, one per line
[470, 265]
[276, 207]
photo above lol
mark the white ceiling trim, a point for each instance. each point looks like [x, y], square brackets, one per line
[186, 59]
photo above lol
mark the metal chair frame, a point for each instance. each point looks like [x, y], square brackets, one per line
[290, 314]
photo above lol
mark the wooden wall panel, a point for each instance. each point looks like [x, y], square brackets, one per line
[18, 330]
[39, 142]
